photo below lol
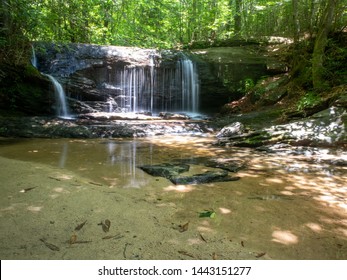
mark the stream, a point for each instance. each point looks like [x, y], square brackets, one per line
[288, 204]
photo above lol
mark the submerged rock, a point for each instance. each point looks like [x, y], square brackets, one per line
[166, 170]
[230, 165]
[207, 177]
[173, 171]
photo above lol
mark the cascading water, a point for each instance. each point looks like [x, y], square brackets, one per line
[190, 85]
[33, 57]
[61, 104]
[152, 89]
[62, 109]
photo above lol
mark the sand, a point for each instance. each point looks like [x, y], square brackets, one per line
[38, 223]
[283, 207]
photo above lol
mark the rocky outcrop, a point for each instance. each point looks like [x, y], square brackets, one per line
[98, 126]
[326, 128]
[106, 74]
[23, 89]
[227, 72]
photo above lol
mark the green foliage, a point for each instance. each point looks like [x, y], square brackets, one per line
[249, 84]
[336, 60]
[310, 99]
[157, 23]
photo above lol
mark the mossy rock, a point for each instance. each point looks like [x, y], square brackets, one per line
[24, 90]
[254, 140]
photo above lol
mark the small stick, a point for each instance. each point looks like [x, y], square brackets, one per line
[124, 251]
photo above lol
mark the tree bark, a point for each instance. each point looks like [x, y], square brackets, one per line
[296, 25]
[237, 18]
[320, 44]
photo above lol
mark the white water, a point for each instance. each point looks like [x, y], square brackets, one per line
[33, 57]
[60, 97]
[171, 89]
[62, 109]
[190, 85]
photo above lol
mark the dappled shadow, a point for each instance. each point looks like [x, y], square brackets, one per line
[288, 204]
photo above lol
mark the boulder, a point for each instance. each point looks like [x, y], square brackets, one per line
[233, 129]
[325, 128]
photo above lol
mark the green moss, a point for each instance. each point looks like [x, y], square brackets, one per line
[310, 99]
[24, 90]
[255, 140]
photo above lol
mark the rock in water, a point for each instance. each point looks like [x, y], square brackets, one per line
[207, 177]
[166, 170]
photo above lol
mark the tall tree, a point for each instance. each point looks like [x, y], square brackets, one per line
[237, 18]
[320, 44]
[296, 25]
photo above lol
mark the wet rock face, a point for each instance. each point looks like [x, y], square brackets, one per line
[97, 125]
[94, 74]
[226, 72]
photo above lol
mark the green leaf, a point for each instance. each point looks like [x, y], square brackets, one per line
[207, 214]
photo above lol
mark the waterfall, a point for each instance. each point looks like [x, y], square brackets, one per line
[60, 97]
[61, 104]
[152, 77]
[155, 89]
[33, 57]
[190, 86]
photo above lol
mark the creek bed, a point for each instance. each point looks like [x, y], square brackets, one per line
[287, 204]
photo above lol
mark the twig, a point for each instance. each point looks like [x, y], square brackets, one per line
[124, 251]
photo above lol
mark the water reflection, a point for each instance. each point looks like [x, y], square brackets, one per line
[290, 204]
[63, 156]
[107, 162]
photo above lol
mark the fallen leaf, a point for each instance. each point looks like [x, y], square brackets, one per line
[260, 255]
[50, 245]
[50, 177]
[104, 227]
[108, 223]
[94, 183]
[73, 239]
[186, 254]
[207, 214]
[183, 228]
[27, 189]
[80, 225]
[202, 238]
[117, 236]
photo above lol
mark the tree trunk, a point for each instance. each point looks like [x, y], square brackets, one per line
[237, 18]
[296, 25]
[320, 44]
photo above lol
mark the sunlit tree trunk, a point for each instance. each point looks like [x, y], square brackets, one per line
[320, 44]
